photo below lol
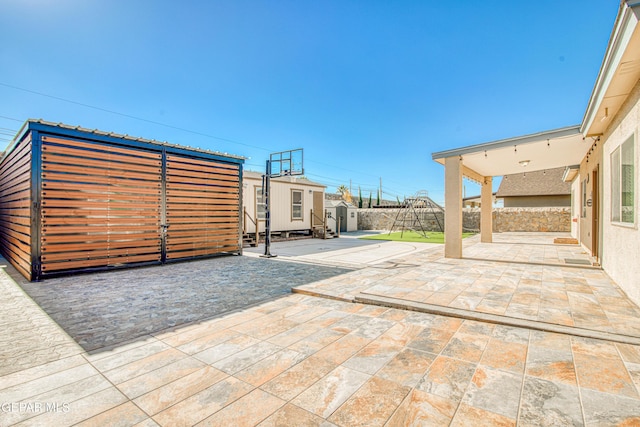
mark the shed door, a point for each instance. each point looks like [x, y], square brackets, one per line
[318, 208]
[202, 207]
[100, 205]
[341, 212]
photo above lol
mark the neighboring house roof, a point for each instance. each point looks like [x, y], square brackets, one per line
[477, 198]
[293, 179]
[538, 183]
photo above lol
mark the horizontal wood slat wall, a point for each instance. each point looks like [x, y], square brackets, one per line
[15, 207]
[203, 207]
[101, 205]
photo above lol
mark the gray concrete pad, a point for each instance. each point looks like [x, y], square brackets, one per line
[348, 250]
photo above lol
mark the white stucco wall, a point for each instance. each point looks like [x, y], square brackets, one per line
[621, 243]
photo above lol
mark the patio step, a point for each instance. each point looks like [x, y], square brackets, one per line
[370, 299]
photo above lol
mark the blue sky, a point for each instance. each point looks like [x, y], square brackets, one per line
[369, 89]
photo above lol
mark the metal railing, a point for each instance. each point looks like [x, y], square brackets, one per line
[255, 224]
[323, 222]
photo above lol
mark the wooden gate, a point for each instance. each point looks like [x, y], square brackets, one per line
[202, 207]
[105, 206]
[100, 205]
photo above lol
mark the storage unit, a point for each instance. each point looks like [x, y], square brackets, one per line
[74, 200]
[292, 201]
[347, 213]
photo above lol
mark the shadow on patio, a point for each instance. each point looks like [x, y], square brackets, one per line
[104, 309]
[523, 279]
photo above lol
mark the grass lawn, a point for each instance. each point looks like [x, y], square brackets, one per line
[412, 236]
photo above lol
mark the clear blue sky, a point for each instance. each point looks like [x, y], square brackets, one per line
[369, 89]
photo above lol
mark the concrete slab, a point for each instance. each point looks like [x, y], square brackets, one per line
[347, 250]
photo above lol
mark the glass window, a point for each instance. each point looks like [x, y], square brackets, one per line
[260, 204]
[296, 204]
[622, 183]
[584, 198]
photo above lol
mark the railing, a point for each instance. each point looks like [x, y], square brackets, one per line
[255, 224]
[323, 223]
[337, 223]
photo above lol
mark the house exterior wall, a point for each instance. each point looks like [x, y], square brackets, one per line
[621, 243]
[281, 201]
[537, 201]
[587, 211]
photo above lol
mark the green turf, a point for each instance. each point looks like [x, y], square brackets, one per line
[412, 236]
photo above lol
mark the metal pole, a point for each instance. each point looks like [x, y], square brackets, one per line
[266, 189]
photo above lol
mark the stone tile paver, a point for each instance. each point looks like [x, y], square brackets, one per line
[304, 360]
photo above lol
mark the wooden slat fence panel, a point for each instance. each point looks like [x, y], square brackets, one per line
[15, 207]
[101, 205]
[203, 207]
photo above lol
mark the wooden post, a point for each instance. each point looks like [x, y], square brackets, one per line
[338, 226]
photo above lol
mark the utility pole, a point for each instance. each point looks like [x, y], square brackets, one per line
[350, 187]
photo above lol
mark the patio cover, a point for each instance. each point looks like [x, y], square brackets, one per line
[480, 163]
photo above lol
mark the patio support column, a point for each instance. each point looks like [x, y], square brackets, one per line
[453, 207]
[486, 210]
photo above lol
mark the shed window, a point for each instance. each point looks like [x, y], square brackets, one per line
[622, 183]
[260, 207]
[296, 204]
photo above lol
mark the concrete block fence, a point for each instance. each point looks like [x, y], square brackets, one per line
[554, 219]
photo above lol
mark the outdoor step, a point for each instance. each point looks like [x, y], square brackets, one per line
[370, 299]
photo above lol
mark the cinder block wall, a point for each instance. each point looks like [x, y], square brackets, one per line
[504, 219]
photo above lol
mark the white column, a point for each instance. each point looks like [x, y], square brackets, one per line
[486, 210]
[453, 207]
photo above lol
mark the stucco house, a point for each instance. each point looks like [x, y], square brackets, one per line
[293, 201]
[600, 157]
[542, 188]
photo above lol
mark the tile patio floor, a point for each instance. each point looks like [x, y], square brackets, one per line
[304, 360]
[519, 276]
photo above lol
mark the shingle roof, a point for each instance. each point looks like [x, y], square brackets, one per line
[539, 183]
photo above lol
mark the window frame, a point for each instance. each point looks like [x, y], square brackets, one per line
[617, 184]
[301, 204]
[583, 198]
[257, 193]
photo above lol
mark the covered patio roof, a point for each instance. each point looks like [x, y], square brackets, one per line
[533, 152]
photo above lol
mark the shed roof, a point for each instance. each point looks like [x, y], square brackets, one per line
[537, 183]
[335, 203]
[300, 180]
[39, 124]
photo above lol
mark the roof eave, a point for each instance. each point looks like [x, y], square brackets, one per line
[626, 21]
[518, 140]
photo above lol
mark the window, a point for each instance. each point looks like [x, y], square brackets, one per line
[260, 207]
[584, 198]
[622, 183]
[296, 204]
